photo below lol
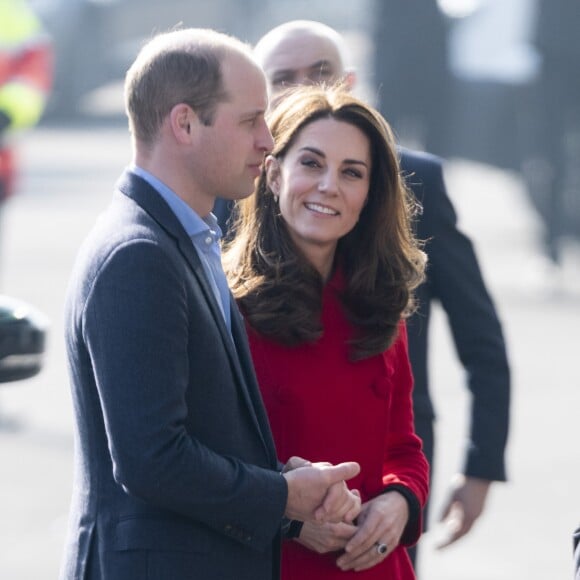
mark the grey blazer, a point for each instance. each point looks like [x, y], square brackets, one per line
[175, 467]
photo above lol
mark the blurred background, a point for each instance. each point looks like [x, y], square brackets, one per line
[491, 86]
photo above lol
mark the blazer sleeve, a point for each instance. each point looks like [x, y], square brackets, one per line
[455, 279]
[137, 324]
[405, 467]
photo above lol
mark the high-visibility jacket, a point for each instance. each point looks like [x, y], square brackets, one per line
[26, 68]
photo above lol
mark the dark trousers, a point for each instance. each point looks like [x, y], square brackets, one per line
[552, 151]
[424, 429]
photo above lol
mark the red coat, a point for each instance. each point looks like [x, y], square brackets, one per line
[325, 408]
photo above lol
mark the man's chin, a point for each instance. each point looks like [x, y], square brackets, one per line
[242, 195]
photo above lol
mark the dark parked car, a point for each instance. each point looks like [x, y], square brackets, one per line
[22, 340]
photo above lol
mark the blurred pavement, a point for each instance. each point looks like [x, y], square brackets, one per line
[525, 533]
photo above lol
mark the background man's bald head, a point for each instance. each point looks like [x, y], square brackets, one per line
[302, 52]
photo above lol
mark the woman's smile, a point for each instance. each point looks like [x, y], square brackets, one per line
[320, 209]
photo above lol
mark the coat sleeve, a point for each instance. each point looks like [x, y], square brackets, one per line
[405, 467]
[137, 325]
[456, 281]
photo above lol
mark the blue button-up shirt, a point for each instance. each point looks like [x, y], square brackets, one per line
[205, 235]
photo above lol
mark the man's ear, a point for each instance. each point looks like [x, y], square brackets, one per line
[182, 120]
[272, 174]
[349, 80]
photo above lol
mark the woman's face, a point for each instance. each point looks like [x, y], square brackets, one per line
[322, 183]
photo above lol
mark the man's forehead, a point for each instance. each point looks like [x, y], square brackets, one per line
[245, 83]
[298, 50]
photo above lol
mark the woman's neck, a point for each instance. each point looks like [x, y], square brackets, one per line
[322, 259]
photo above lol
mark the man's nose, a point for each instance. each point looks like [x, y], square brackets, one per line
[265, 141]
[305, 80]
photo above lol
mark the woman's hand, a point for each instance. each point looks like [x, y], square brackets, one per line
[382, 520]
[323, 538]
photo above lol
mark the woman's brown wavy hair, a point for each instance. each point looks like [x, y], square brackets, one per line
[278, 290]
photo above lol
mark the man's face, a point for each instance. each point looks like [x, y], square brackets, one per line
[228, 154]
[299, 59]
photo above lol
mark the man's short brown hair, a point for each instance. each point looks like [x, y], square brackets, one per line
[180, 66]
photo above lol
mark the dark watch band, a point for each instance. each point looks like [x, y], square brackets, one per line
[291, 528]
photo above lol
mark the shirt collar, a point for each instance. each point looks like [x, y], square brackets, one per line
[193, 224]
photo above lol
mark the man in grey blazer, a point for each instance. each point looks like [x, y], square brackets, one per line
[176, 475]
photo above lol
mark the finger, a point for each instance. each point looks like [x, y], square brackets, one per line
[341, 535]
[343, 471]
[350, 516]
[457, 534]
[335, 495]
[327, 537]
[361, 543]
[456, 526]
[446, 511]
[338, 502]
[367, 559]
[368, 533]
[295, 462]
[450, 539]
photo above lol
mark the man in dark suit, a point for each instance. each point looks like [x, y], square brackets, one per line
[301, 52]
[576, 544]
[176, 472]
[551, 165]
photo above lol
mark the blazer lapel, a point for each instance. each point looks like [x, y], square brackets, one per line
[148, 198]
[244, 359]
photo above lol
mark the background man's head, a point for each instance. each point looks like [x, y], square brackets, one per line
[302, 52]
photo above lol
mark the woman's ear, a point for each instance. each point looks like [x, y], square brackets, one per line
[273, 174]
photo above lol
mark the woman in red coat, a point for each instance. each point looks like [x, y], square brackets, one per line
[323, 266]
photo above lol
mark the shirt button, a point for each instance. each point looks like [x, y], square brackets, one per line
[208, 240]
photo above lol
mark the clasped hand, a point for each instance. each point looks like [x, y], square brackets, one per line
[382, 520]
[317, 492]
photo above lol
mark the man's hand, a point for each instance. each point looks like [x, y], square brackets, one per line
[295, 462]
[318, 493]
[323, 538]
[465, 504]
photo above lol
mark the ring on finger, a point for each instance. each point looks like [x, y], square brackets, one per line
[381, 548]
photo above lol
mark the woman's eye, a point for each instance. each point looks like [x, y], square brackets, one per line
[310, 163]
[354, 173]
